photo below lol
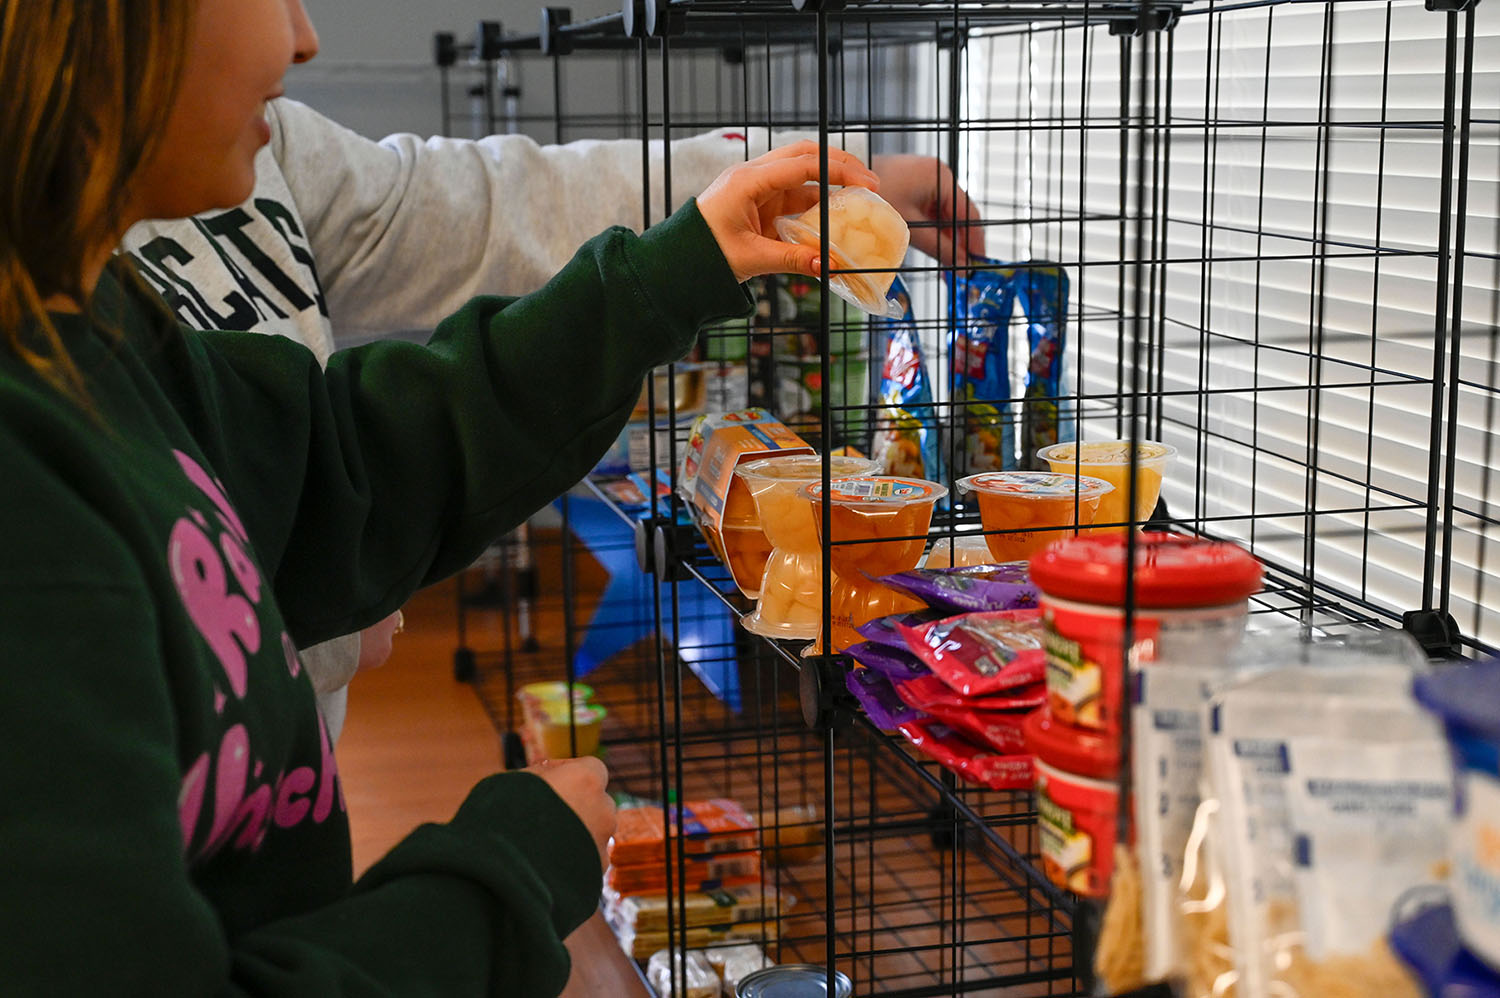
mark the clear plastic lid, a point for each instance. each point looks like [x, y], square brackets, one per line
[1035, 485]
[804, 467]
[1108, 452]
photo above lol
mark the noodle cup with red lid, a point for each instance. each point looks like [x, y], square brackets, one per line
[1032, 508]
[1077, 802]
[1188, 592]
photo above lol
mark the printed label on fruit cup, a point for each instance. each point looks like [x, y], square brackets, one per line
[1074, 682]
[867, 490]
[1066, 849]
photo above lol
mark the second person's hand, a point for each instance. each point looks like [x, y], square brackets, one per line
[742, 205]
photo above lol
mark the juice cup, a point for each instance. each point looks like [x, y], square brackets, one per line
[1035, 508]
[746, 547]
[791, 591]
[892, 513]
[1110, 460]
[973, 549]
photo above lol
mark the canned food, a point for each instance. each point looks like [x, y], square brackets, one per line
[793, 980]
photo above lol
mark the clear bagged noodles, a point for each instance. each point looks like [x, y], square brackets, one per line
[972, 550]
[1042, 292]
[665, 969]
[983, 304]
[864, 234]
[974, 587]
[1331, 788]
[982, 653]
[878, 697]
[906, 436]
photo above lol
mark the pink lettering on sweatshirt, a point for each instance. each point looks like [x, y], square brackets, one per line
[220, 588]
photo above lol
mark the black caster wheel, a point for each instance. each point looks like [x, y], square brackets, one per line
[464, 669]
[512, 752]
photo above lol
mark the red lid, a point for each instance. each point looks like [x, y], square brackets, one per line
[1073, 750]
[1170, 570]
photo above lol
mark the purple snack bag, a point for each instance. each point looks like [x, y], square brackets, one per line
[896, 664]
[972, 587]
[882, 630]
[878, 697]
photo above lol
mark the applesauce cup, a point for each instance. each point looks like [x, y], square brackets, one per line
[870, 508]
[1110, 460]
[746, 547]
[1033, 508]
[791, 591]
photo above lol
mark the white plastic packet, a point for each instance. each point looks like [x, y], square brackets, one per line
[701, 980]
[733, 962]
[864, 233]
[1318, 766]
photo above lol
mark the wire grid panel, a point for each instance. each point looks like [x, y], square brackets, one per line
[1298, 161]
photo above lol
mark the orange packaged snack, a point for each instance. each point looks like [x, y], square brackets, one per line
[711, 826]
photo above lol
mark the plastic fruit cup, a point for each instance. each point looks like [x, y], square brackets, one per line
[791, 591]
[973, 549]
[864, 233]
[746, 548]
[553, 728]
[1110, 460]
[893, 514]
[1033, 508]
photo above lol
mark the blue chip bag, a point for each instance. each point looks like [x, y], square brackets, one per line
[981, 307]
[1042, 290]
[906, 439]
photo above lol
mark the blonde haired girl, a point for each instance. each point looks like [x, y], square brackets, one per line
[182, 510]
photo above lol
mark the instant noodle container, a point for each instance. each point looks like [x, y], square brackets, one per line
[793, 980]
[1467, 698]
[1191, 595]
[1077, 799]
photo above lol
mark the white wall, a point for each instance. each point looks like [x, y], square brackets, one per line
[375, 72]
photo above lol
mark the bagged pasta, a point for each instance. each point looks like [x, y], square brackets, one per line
[982, 306]
[1321, 770]
[1042, 293]
[982, 653]
[864, 234]
[906, 438]
[973, 587]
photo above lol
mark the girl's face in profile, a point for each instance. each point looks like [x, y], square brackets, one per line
[240, 50]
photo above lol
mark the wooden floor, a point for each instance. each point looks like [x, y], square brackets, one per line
[416, 741]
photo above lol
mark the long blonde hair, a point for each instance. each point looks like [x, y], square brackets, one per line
[88, 86]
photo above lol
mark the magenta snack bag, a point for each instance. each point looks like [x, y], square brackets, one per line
[883, 630]
[877, 696]
[972, 587]
[895, 664]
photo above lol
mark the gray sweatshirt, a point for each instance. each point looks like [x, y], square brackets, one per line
[346, 238]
